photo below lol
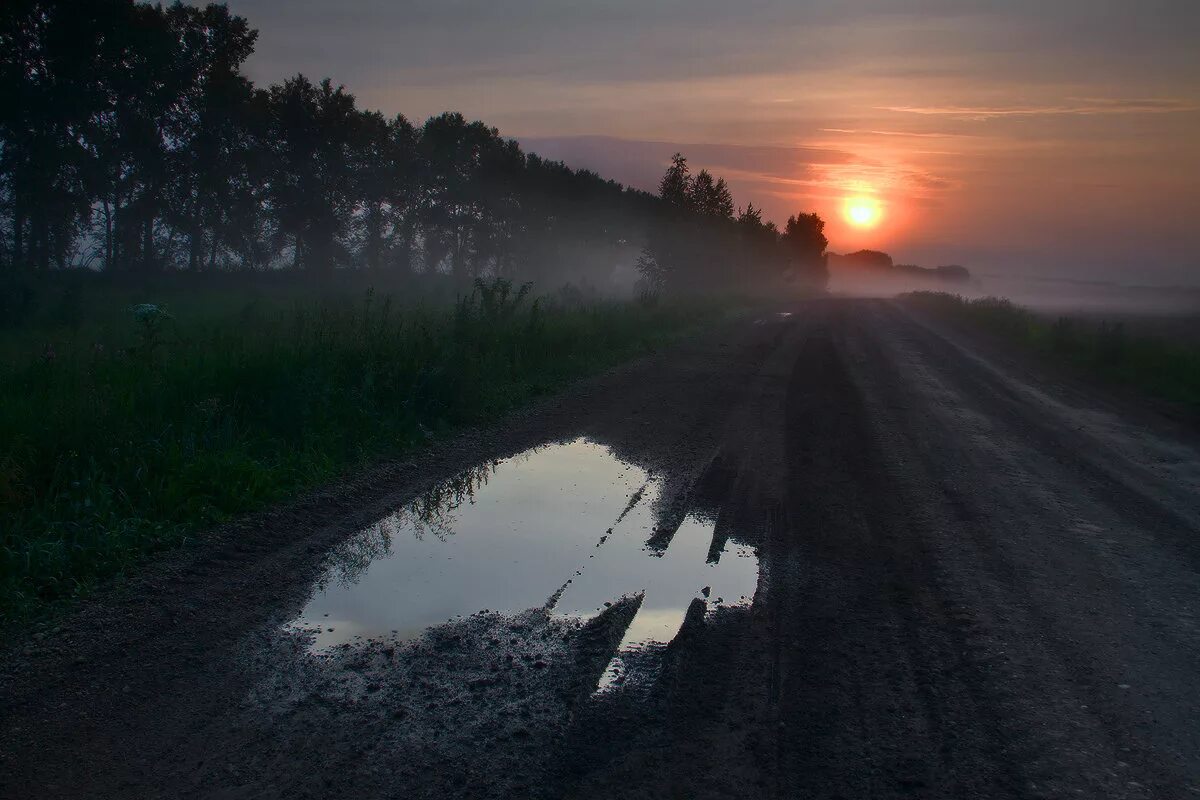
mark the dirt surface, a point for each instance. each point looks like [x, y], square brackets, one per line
[976, 581]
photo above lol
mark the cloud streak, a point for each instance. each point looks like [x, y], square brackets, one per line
[1081, 107]
[911, 134]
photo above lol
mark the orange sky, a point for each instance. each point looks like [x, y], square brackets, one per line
[1024, 136]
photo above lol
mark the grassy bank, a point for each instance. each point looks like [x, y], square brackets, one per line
[126, 430]
[1108, 348]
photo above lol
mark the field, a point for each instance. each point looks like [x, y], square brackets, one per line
[134, 417]
[1157, 354]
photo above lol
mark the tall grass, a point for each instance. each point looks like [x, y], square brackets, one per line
[1154, 364]
[117, 440]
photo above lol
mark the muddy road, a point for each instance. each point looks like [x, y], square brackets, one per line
[836, 551]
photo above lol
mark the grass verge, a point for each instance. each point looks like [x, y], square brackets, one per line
[1157, 366]
[124, 438]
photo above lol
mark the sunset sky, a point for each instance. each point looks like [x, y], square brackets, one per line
[1027, 136]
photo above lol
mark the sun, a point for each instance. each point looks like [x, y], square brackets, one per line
[862, 211]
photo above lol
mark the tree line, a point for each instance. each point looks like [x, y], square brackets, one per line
[698, 239]
[131, 141]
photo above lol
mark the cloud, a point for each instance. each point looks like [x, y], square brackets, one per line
[913, 134]
[778, 179]
[1075, 107]
[640, 163]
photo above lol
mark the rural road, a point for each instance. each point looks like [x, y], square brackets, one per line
[973, 581]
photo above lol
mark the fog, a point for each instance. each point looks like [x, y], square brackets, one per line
[1050, 295]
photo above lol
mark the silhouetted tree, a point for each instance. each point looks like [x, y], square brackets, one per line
[52, 62]
[867, 259]
[675, 188]
[697, 242]
[469, 203]
[386, 172]
[213, 133]
[804, 237]
[761, 248]
[709, 197]
[311, 185]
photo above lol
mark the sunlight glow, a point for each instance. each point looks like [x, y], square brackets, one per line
[862, 211]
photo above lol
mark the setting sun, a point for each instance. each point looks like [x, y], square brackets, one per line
[863, 212]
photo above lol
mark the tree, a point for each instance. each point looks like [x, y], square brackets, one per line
[675, 188]
[52, 59]
[146, 83]
[760, 244]
[213, 133]
[804, 237]
[468, 204]
[310, 190]
[386, 174]
[709, 197]
[867, 259]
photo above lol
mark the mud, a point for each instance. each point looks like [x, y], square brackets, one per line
[831, 550]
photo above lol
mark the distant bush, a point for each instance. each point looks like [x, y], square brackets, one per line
[998, 313]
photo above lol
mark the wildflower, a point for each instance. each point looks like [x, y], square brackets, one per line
[49, 354]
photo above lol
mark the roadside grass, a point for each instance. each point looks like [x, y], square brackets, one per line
[128, 432]
[1107, 348]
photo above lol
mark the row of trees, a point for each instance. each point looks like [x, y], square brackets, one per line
[699, 237]
[130, 140]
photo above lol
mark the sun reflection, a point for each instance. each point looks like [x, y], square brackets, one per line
[862, 211]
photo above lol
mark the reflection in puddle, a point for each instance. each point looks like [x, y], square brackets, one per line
[562, 527]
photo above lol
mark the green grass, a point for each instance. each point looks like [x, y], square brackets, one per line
[122, 434]
[1107, 348]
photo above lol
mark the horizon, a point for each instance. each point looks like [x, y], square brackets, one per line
[1052, 142]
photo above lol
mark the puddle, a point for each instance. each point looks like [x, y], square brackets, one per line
[562, 527]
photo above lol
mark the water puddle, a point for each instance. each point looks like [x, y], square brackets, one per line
[562, 528]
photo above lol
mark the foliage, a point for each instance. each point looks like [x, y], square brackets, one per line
[699, 242]
[1168, 369]
[131, 434]
[804, 238]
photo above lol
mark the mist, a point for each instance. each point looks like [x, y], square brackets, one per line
[1051, 295]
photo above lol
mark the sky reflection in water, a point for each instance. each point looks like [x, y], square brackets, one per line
[562, 526]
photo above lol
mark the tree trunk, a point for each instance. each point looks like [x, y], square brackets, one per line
[41, 241]
[148, 243]
[458, 263]
[374, 236]
[108, 235]
[195, 243]
[405, 250]
[18, 234]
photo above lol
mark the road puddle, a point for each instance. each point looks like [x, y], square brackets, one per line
[562, 528]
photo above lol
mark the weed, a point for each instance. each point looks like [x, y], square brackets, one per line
[1158, 366]
[136, 436]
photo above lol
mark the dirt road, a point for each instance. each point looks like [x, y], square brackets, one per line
[973, 581]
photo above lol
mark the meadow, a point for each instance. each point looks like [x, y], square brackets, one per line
[135, 417]
[1158, 355]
